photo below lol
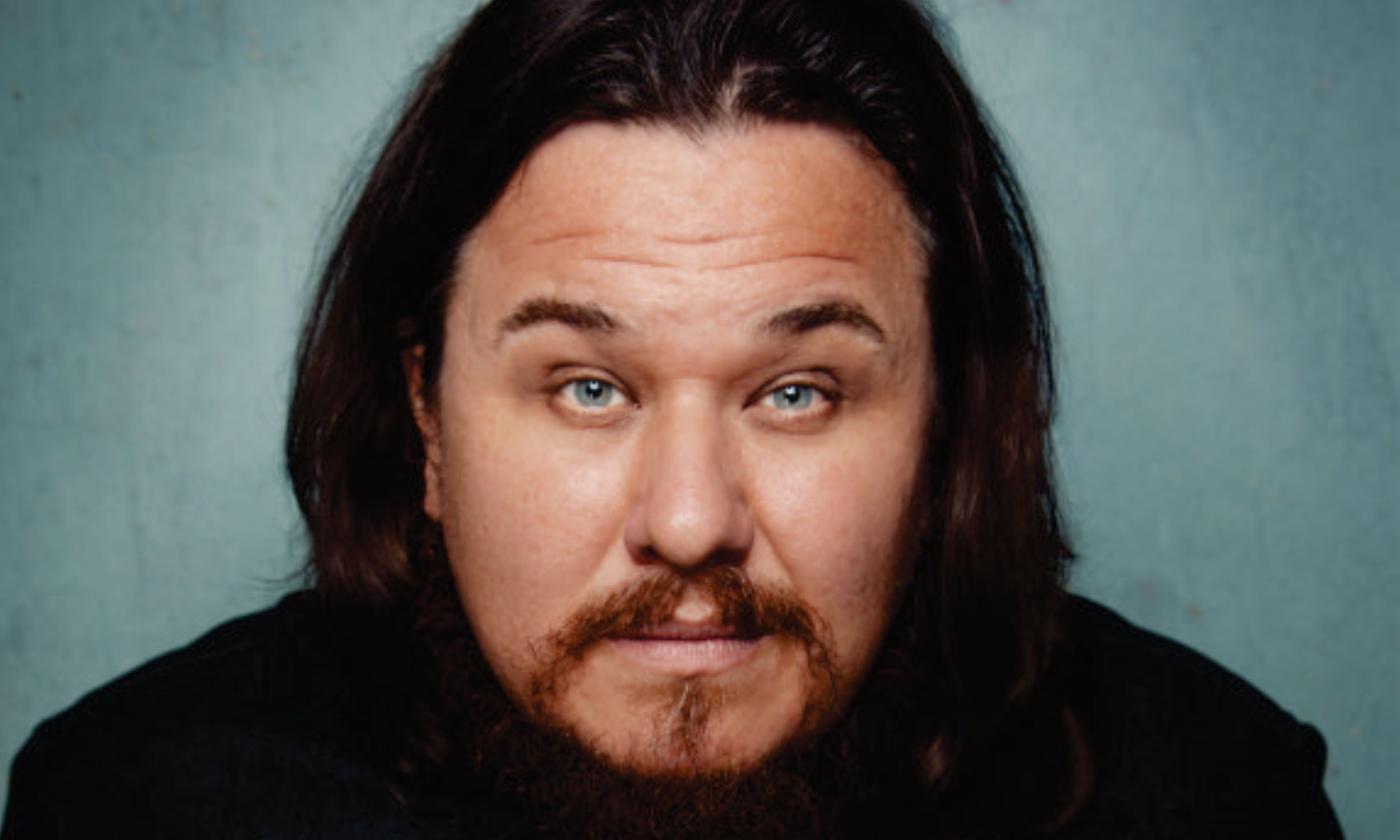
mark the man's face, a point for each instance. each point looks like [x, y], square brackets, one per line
[677, 431]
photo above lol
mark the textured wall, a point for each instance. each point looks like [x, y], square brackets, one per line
[1216, 183]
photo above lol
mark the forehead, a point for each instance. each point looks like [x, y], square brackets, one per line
[744, 212]
[734, 180]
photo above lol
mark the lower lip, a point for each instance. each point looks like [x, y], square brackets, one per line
[687, 657]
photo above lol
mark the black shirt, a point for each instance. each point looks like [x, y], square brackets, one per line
[249, 732]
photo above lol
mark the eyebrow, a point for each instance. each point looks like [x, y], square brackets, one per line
[803, 319]
[581, 316]
[589, 317]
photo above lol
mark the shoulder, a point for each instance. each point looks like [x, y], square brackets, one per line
[276, 661]
[248, 731]
[1183, 747]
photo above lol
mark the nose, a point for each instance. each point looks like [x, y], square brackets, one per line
[689, 509]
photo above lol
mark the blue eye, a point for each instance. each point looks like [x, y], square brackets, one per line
[793, 397]
[593, 393]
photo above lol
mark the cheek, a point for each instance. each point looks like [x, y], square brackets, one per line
[528, 522]
[835, 524]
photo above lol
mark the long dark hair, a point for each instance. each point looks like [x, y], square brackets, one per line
[993, 555]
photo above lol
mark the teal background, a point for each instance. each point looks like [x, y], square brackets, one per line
[1217, 188]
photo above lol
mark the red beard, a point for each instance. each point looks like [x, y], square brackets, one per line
[865, 768]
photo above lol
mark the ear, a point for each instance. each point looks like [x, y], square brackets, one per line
[425, 417]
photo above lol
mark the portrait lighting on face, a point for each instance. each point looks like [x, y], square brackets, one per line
[676, 432]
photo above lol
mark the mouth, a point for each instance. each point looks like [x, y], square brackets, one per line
[680, 649]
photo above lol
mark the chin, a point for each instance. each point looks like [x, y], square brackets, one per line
[666, 753]
[691, 726]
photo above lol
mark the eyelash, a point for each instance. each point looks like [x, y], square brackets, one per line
[564, 394]
[576, 385]
[822, 399]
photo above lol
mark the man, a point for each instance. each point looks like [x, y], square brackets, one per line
[670, 426]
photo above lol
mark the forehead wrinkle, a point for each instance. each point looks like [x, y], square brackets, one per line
[564, 236]
[804, 255]
[705, 238]
[752, 262]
